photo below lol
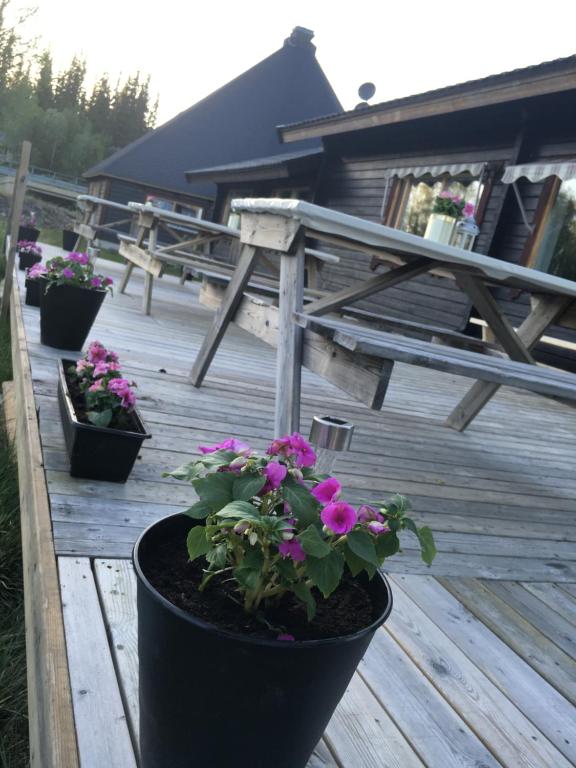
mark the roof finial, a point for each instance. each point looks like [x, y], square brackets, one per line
[300, 38]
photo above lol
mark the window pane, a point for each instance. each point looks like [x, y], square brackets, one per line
[557, 252]
[421, 201]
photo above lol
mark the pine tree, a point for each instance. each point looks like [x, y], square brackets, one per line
[69, 87]
[43, 85]
[99, 106]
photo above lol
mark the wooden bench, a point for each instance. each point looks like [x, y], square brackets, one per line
[392, 347]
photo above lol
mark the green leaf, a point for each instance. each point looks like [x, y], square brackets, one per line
[304, 594]
[253, 558]
[100, 418]
[325, 573]
[427, 546]
[362, 544]
[217, 556]
[197, 542]
[248, 577]
[285, 568]
[354, 563]
[304, 506]
[387, 544]
[199, 511]
[239, 510]
[313, 543]
[246, 486]
[185, 472]
[216, 489]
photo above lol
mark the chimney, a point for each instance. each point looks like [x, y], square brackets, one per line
[300, 38]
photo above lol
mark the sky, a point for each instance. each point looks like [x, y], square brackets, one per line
[191, 48]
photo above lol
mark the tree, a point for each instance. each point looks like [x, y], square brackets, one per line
[100, 105]
[43, 85]
[131, 114]
[69, 87]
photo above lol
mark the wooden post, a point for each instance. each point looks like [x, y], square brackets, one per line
[16, 210]
[289, 354]
[148, 277]
[225, 314]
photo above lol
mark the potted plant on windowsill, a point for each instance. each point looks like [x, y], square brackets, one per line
[257, 603]
[70, 298]
[27, 229]
[28, 254]
[448, 209]
[33, 284]
[102, 428]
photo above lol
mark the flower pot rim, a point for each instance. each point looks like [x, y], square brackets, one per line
[238, 636]
[77, 287]
[144, 434]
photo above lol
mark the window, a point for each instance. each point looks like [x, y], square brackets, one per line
[411, 203]
[553, 246]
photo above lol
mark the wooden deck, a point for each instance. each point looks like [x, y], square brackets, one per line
[477, 664]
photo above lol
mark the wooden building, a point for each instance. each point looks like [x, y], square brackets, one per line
[386, 163]
[233, 124]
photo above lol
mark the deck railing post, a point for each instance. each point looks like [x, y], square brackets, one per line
[289, 354]
[16, 210]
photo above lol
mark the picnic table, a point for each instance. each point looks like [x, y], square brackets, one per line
[284, 226]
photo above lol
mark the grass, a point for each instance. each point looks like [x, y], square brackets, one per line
[13, 701]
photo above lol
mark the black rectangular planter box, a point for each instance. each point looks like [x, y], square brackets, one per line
[97, 453]
[33, 287]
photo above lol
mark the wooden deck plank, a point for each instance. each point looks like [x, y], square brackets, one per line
[556, 597]
[550, 712]
[101, 727]
[505, 731]
[517, 632]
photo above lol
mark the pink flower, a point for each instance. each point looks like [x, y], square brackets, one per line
[468, 210]
[339, 516]
[96, 352]
[79, 258]
[292, 549]
[305, 456]
[97, 386]
[101, 368]
[121, 388]
[286, 637]
[36, 270]
[367, 513]
[108, 281]
[230, 444]
[96, 282]
[82, 365]
[327, 491]
[274, 472]
[68, 273]
[377, 528]
[281, 446]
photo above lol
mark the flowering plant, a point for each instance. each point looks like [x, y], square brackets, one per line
[29, 246]
[28, 219]
[35, 271]
[276, 526]
[108, 396]
[452, 205]
[75, 269]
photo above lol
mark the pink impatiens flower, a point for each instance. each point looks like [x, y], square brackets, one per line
[79, 258]
[339, 517]
[366, 513]
[96, 352]
[468, 210]
[377, 528]
[68, 273]
[97, 386]
[96, 282]
[327, 491]
[292, 549]
[274, 473]
[293, 445]
[230, 444]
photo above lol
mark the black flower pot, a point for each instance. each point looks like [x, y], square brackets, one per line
[33, 292]
[209, 697]
[26, 259]
[69, 239]
[67, 314]
[28, 233]
[97, 453]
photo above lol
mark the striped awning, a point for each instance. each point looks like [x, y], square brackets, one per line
[538, 171]
[419, 171]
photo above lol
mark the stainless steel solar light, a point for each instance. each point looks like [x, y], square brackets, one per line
[330, 436]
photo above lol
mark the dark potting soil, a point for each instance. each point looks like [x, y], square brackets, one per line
[128, 423]
[347, 610]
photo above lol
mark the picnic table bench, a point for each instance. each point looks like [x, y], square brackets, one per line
[283, 225]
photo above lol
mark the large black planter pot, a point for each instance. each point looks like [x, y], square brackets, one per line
[69, 238]
[67, 314]
[33, 292]
[213, 698]
[28, 233]
[97, 453]
[27, 259]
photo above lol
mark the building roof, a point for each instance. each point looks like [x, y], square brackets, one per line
[274, 167]
[235, 123]
[535, 80]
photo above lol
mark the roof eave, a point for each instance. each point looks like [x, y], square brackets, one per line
[422, 107]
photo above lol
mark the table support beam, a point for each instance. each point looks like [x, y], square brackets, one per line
[546, 311]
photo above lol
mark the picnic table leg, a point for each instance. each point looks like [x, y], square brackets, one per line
[148, 277]
[126, 276]
[289, 353]
[545, 312]
[225, 313]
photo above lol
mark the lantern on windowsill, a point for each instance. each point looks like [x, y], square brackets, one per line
[465, 233]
